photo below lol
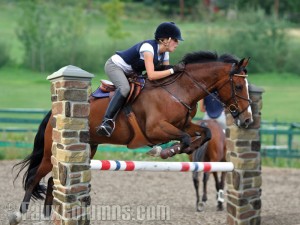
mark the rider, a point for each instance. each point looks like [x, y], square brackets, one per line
[213, 109]
[143, 56]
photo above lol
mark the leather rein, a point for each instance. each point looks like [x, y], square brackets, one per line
[233, 108]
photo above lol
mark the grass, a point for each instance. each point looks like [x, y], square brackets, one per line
[280, 96]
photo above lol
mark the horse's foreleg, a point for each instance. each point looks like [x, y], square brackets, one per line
[201, 133]
[205, 179]
[220, 192]
[167, 132]
[196, 185]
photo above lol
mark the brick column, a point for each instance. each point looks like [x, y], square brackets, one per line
[70, 149]
[243, 184]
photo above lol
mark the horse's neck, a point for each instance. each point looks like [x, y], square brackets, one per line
[204, 78]
[209, 75]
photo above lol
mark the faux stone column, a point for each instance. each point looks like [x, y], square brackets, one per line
[70, 149]
[244, 183]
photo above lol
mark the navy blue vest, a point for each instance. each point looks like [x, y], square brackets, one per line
[213, 107]
[132, 56]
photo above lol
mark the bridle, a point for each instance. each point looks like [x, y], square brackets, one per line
[233, 108]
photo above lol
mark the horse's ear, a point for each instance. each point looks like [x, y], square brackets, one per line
[244, 62]
[241, 62]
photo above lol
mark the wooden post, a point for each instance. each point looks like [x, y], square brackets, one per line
[244, 183]
[70, 149]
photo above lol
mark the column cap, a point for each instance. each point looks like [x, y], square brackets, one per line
[70, 73]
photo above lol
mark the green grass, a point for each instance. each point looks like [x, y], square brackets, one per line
[281, 162]
[281, 96]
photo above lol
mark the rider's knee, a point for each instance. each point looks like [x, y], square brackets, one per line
[125, 90]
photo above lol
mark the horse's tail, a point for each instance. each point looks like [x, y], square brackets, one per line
[33, 161]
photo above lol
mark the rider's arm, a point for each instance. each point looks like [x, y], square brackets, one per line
[151, 73]
[202, 106]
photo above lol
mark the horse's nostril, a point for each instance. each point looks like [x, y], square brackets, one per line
[248, 122]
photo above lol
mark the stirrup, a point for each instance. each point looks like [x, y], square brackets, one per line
[102, 129]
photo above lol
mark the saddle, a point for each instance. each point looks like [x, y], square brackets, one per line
[107, 89]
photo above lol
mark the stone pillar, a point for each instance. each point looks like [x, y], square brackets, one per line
[244, 183]
[70, 149]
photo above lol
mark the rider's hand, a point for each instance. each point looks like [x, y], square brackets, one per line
[179, 67]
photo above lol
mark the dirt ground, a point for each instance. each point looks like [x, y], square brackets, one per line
[154, 198]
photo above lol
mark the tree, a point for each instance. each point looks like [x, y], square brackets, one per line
[114, 10]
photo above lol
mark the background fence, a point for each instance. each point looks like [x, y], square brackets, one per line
[18, 127]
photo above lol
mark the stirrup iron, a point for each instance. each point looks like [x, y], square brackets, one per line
[109, 122]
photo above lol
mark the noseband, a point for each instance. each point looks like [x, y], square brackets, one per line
[233, 108]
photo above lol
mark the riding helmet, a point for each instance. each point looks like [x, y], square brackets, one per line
[166, 30]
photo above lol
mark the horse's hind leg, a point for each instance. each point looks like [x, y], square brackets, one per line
[44, 168]
[49, 198]
[32, 186]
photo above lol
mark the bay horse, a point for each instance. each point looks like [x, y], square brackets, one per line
[213, 150]
[164, 111]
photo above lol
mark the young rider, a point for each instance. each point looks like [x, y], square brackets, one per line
[143, 56]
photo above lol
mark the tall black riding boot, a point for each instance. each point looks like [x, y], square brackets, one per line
[108, 122]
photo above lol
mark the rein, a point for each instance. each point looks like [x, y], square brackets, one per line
[233, 108]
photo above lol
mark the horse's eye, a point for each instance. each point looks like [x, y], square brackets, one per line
[239, 87]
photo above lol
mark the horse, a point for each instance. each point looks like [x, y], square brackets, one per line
[213, 150]
[164, 110]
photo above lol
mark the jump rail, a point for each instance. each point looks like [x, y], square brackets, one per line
[113, 165]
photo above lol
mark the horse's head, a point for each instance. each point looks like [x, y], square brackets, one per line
[234, 94]
[226, 75]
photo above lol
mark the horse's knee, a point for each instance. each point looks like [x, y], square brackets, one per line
[185, 141]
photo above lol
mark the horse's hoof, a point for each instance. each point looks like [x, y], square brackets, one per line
[15, 218]
[220, 207]
[155, 151]
[200, 207]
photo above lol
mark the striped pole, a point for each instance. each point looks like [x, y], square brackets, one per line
[115, 165]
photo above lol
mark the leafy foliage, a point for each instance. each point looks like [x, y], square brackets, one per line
[4, 56]
[263, 39]
[52, 36]
[114, 10]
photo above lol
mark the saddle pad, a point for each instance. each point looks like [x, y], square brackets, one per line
[98, 93]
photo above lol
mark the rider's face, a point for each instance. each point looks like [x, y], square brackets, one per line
[172, 45]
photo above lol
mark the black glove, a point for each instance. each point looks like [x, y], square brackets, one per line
[179, 67]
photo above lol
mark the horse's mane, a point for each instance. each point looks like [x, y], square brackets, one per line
[207, 56]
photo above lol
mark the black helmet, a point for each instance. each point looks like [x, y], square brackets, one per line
[166, 30]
